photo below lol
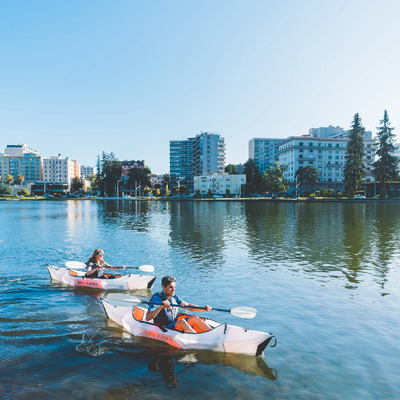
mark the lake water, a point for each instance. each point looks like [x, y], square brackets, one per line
[324, 277]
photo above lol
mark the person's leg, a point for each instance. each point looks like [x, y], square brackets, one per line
[195, 322]
[182, 325]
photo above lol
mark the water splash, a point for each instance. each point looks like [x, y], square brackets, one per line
[92, 347]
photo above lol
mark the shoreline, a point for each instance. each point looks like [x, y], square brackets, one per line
[245, 199]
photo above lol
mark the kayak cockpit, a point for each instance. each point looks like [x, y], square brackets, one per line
[139, 314]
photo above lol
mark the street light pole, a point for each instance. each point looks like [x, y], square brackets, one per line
[118, 187]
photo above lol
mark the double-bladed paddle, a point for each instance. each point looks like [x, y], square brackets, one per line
[79, 265]
[120, 299]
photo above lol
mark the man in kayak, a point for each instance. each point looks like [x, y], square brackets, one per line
[95, 266]
[165, 315]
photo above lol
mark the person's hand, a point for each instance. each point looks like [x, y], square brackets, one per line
[166, 304]
[123, 266]
[208, 308]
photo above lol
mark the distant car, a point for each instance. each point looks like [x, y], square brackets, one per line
[216, 196]
[359, 196]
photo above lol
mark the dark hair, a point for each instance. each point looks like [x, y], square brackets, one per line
[167, 280]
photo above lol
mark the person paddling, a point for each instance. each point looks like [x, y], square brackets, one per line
[96, 266]
[165, 315]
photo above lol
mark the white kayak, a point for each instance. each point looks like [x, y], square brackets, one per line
[77, 278]
[222, 338]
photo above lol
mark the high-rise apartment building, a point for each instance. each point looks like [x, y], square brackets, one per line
[19, 159]
[201, 155]
[264, 152]
[325, 154]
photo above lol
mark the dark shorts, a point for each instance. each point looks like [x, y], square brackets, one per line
[172, 326]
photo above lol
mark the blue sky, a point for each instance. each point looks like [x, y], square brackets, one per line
[82, 77]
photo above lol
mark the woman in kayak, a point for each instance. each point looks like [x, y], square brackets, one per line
[95, 266]
[165, 315]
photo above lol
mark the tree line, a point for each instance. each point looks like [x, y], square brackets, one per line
[109, 178]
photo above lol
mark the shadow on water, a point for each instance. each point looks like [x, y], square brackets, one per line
[172, 365]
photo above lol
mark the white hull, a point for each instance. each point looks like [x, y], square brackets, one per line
[126, 282]
[222, 338]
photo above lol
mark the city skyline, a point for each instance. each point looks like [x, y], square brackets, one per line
[79, 78]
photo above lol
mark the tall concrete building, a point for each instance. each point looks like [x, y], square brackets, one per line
[264, 152]
[19, 159]
[201, 155]
[60, 170]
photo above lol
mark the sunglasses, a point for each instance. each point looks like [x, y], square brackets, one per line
[100, 254]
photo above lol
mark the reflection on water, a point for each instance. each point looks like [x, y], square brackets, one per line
[326, 239]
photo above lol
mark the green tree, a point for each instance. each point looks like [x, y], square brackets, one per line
[254, 180]
[20, 179]
[138, 177]
[307, 176]
[386, 167]
[274, 179]
[76, 184]
[183, 189]
[5, 190]
[93, 182]
[23, 192]
[9, 179]
[209, 193]
[109, 171]
[165, 182]
[231, 169]
[354, 169]
[227, 193]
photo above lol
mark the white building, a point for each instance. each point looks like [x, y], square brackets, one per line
[326, 155]
[264, 152]
[86, 172]
[219, 183]
[156, 179]
[60, 170]
[19, 159]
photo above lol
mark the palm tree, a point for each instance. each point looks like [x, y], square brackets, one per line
[9, 179]
[20, 179]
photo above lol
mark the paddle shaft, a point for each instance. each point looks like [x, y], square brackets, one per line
[193, 307]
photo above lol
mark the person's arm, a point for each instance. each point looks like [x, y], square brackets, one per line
[153, 313]
[189, 306]
[111, 267]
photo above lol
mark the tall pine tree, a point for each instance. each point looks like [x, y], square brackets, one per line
[354, 169]
[386, 167]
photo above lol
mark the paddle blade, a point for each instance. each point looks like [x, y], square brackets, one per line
[146, 268]
[75, 264]
[120, 299]
[244, 312]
